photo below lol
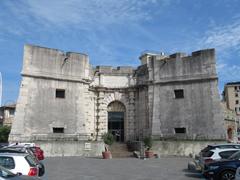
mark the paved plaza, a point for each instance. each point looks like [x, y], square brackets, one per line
[79, 168]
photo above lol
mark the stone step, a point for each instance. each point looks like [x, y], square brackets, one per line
[120, 150]
[122, 155]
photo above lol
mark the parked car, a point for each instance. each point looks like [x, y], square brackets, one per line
[219, 146]
[3, 144]
[5, 174]
[215, 155]
[199, 160]
[22, 144]
[237, 174]
[20, 150]
[37, 151]
[19, 163]
[224, 169]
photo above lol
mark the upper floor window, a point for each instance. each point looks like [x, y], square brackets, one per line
[179, 93]
[60, 93]
[237, 102]
[12, 112]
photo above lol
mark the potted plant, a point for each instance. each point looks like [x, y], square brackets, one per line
[148, 142]
[108, 140]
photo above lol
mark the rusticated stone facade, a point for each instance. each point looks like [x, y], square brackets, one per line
[63, 98]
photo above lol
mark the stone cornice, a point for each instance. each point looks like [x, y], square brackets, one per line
[187, 80]
[106, 89]
[58, 78]
[150, 83]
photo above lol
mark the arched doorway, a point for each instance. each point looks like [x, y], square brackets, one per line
[116, 114]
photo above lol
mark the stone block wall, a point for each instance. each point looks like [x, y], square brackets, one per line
[147, 94]
[51, 63]
[39, 110]
[198, 111]
[181, 148]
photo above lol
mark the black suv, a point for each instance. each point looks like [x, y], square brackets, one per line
[224, 169]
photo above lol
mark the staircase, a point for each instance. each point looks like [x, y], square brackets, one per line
[119, 150]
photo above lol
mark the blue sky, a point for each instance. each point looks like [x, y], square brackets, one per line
[115, 32]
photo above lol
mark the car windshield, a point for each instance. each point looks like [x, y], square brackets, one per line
[236, 155]
[6, 173]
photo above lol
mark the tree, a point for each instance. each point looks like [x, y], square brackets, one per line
[108, 139]
[148, 142]
[4, 133]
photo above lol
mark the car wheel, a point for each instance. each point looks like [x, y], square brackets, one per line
[227, 175]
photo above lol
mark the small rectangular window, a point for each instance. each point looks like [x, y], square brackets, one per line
[180, 130]
[60, 93]
[11, 112]
[179, 93]
[236, 94]
[58, 130]
[235, 87]
[237, 102]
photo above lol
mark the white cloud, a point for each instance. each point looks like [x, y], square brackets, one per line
[229, 73]
[27, 17]
[226, 40]
[223, 37]
[85, 13]
[96, 19]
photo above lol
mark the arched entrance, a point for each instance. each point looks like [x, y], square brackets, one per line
[116, 114]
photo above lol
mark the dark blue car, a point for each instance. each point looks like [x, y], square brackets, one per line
[224, 169]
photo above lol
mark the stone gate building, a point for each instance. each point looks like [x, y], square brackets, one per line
[63, 100]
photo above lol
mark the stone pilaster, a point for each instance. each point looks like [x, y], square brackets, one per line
[150, 108]
[131, 117]
[89, 112]
[101, 116]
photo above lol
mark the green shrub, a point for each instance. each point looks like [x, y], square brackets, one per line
[148, 142]
[4, 133]
[108, 138]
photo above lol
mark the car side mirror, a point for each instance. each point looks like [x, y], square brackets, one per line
[19, 174]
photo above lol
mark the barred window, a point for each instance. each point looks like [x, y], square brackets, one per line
[179, 93]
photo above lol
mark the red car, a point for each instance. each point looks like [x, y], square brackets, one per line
[38, 152]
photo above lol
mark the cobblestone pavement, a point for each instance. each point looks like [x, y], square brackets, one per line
[79, 168]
